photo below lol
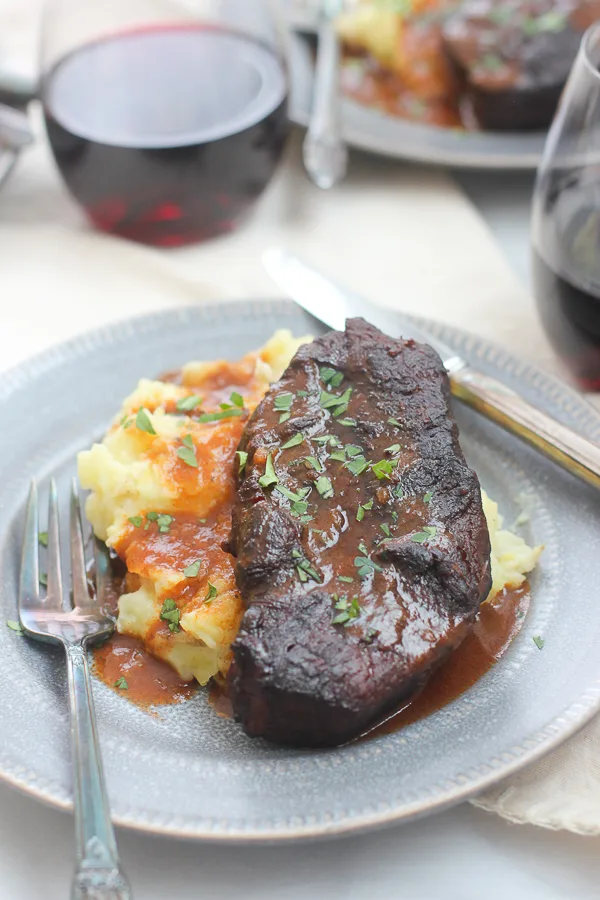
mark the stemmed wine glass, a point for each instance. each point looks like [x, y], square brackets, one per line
[566, 221]
[166, 121]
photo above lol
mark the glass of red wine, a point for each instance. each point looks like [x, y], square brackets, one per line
[566, 222]
[166, 121]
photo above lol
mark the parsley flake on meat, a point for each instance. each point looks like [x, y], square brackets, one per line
[270, 476]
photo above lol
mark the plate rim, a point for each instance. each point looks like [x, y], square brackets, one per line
[471, 783]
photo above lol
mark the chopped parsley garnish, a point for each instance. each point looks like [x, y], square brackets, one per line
[237, 400]
[350, 423]
[188, 442]
[349, 610]
[363, 548]
[299, 510]
[243, 459]
[188, 454]
[338, 404]
[366, 566]
[187, 404]
[192, 570]
[429, 531]
[338, 456]
[395, 516]
[539, 642]
[383, 468]
[327, 439]
[291, 496]
[428, 497]
[121, 684]
[43, 579]
[304, 568]
[360, 513]
[313, 463]
[357, 465]
[293, 441]
[15, 626]
[270, 476]
[142, 421]
[399, 492]
[211, 593]
[331, 377]
[386, 530]
[301, 393]
[125, 421]
[164, 522]
[324, 487]
[229, 413]
[553, 21]
[352, 451]
[395, 422]
[43, 538]
[345, 578]
[283, 404]
[152, 516]
[395, 448]
[136, 521]
[171, 614]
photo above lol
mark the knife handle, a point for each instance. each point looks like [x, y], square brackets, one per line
[558, 442]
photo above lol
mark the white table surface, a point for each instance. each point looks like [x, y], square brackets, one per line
[464, 854]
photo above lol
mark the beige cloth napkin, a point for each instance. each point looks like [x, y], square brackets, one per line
[403, 236]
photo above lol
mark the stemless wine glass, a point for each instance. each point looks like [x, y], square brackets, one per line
[566, 221]
[166, 121]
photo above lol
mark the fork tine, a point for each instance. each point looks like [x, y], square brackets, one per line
[54, 598]
[79, 584]
[103, 572]
[29, 581]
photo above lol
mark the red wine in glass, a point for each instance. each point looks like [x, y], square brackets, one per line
[168, 134]
[566, 221]
[566, 270]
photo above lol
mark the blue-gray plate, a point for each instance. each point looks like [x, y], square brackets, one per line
[371, 129]
[185, 772]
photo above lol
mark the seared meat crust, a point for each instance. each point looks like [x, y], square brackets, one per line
[362, 551]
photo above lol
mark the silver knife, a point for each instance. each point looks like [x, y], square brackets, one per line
[332, 305]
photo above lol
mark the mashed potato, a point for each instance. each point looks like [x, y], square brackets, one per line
[161, 495]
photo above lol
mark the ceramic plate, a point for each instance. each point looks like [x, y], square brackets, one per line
[369, 129]
[186, 772]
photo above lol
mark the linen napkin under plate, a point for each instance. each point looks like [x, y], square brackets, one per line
[403, 236]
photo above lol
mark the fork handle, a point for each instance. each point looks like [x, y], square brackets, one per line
[324, 152]
[98, 874]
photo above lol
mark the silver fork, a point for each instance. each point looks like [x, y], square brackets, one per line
[75, 622]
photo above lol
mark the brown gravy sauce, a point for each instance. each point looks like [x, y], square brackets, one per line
[151, 682]
[498, 623]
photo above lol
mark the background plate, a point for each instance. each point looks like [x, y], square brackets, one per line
[186, 772]
[369, 129]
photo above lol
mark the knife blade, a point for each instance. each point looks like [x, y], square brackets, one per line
[332, 305]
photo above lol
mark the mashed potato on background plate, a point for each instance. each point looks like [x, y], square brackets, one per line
[161, 496]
